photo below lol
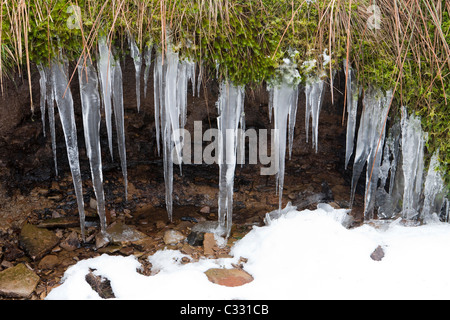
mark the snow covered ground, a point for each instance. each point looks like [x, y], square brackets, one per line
[301, 255]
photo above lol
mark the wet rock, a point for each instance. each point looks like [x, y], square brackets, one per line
[71, 243]
[208, 244]
[120, 232]
[61, 222]
[18, 282]
[195, 238]
[48, 262]
[205, 209]
[228, 277]
[377, 254]
[37, 241]
[173, 237]
[100, 285]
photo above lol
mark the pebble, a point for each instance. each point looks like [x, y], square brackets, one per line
[228, 277]
[173, 237]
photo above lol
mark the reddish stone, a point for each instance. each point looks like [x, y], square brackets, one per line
[228, 277]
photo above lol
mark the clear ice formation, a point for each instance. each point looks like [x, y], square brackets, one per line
[230, 106]
[434, 189]
[117, 95]
[135, 54]
[314, 92]
[352, 110]
[369, 146]
[43, 88]
[110, 79]
[413, 148]
[48, 95]
[64, 101]
[283, 104]
[148, 62]
[170, 97]
[90, 103]
[104, 69]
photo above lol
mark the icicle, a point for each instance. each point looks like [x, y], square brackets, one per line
[370, 130]
[182, 84]
[284, 105]
[148, 62]
[158, 95]
[434, 189]
[104, 69]
[63, 98]
[51, 117]
[413, 143]
[90, 102]
[352, 110]
[314, 98]
[230, 107]
[387, 201]
[117, 94]
[199, 80]
[43, 87]
[138, 66]
[47, 94]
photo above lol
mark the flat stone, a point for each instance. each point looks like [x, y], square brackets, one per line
[71, 243]
[208, 244]
[48, 262]
[173, 237]
[37, 241]
[228, 277]
[18, 282]
[62, 222]
[120, 232]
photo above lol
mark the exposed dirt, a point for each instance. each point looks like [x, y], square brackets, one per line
[30, 191]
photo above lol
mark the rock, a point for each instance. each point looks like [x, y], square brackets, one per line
[61, 222]
[48, 262]
[71, 243]
[195, 238]
[228, 277]
[205, 209]
[37, 241]
[93, 203]
[208, 244]
[173, 237]
[377, 254]
[120, 232]
[160, 224]
[100, 285]
[18, 282]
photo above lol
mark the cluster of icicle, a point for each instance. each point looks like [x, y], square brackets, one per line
[399, 158]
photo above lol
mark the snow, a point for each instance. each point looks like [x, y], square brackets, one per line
[300, 255]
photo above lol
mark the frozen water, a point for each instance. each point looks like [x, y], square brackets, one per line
[284, 105]
[43, 87]
[90, 103]
[434, 189]
[230, 106]
[371, 130]
[314, 97]
[135, 54]
[148, 62]
[413, 144]
[64, 101]
[104, 69]
[117, 95]
[352, 110]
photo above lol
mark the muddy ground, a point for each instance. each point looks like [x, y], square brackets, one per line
[31, 193]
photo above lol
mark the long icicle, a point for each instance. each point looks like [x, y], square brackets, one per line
[230, 107]
[64, 101]
[90, 102]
